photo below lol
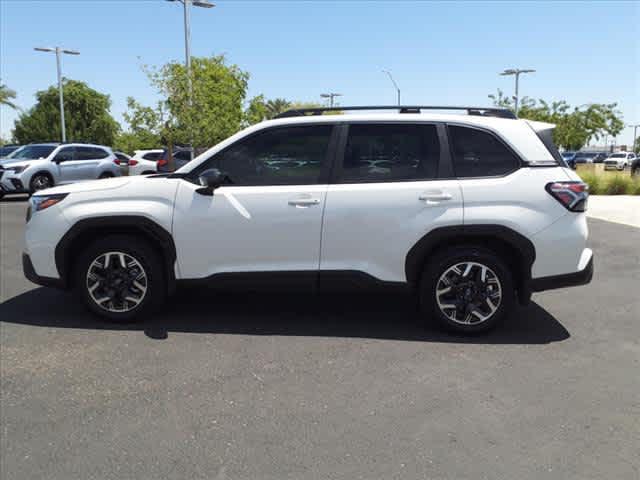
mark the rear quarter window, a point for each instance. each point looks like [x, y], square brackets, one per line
[478, 153]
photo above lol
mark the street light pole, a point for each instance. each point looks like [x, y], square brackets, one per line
[517, 72]
[394, 83]
[330, 96]
[187, 42]
[58, 51]
[635, 129]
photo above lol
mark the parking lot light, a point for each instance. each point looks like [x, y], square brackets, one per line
[516, 72]
[58, 51]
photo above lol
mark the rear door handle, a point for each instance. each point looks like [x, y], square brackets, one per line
[304, 202]
[435, 197]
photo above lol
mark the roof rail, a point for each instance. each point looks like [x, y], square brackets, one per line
[481, 111]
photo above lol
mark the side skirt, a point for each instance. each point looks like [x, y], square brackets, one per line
[332, 281]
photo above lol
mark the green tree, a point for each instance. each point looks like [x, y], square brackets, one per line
[207, 113]
[6, 95]
[575, 126]
[86, 114]
[145, 128]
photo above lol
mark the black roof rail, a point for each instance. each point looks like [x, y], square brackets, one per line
[481, 111]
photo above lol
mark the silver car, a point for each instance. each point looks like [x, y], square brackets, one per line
[43, 165]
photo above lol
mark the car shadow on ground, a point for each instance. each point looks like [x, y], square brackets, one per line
[358, 316]
[14, 198]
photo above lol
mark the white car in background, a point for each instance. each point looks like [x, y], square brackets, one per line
[619, 161]
[39, 166]
[144, 162]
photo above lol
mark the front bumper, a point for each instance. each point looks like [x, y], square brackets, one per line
[10, 183]
[30, 273]
[575, 279]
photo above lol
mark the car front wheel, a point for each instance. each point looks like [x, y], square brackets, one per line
[467, 289]
[120, 277]
[40, 181]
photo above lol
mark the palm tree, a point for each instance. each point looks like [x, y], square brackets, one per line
[277, 106]
[6, 95]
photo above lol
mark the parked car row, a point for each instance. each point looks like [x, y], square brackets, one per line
[614, 161]
[33, 167]
[43, 165]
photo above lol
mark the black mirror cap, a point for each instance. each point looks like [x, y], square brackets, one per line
[210, 180]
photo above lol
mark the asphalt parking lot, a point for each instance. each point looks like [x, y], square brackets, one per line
[231, 387]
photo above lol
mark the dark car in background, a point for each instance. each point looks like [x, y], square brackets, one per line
[569, 157]
[584, 157]
[181, 156]
[8, 149]
[635, 167]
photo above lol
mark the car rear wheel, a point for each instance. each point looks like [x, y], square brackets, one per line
[467, 289]
[120, 277]
[106, 175]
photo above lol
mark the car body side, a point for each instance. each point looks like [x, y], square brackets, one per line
[492, 210]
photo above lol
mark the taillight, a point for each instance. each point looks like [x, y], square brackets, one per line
[133, 163]
[162, 162]
[573, 195]
[117, 161]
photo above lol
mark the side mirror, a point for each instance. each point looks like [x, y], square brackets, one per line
[210, 180]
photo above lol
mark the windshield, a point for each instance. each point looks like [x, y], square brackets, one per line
[618, 155]
[32, 152]
[568, 154]
[586, 155]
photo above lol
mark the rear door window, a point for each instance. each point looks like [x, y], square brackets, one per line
[84, 153]
[153, 156]
[477, 153]
[390, 153]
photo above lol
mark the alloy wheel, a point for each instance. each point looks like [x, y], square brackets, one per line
[41, 182]
[468, 293]
[116, 282]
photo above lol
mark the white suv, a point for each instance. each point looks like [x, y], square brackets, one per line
[145, 162]
[469, 212]
[619, 161]
[38, 166]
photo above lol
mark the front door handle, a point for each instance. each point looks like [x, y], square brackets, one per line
[435, 196]
[303, 202]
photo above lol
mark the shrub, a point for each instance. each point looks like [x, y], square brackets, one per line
[618, 185]
[594, 182]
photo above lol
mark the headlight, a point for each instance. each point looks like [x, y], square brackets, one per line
[42, 202]
[16, 169]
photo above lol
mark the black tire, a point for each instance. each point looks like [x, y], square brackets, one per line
[135, 248]
[106, 175]
[40, 181]
[444, 260]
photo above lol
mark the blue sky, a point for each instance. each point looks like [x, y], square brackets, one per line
[439, 52]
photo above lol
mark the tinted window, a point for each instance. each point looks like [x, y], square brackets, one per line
[65, 154]
[85, 153]
[182, 155]
[479, 154]
[33, 152]
[390, 153]
[122, 157]
[282, 156]
[153, 156]
[98, 153]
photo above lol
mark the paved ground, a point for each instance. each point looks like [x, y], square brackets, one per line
[293, 387]
[623, 209]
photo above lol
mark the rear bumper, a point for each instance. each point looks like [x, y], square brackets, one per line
[30, 273]
[575, 279]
